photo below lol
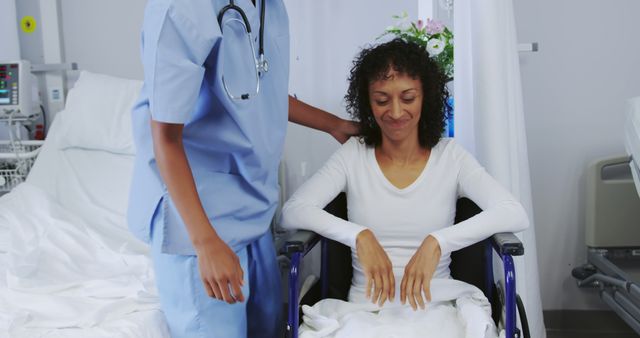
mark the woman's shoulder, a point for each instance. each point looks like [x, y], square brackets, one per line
[353, 146]
[351, 153]
[450, 150]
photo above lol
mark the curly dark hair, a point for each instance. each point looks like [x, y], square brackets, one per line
[408, 58]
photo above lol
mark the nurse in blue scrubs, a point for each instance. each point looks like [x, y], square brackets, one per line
[205, 182]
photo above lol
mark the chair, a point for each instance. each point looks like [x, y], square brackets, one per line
[473, 265]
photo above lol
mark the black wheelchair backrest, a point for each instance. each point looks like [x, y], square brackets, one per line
[467, 264]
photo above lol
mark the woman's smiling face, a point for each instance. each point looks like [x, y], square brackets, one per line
[396, 103]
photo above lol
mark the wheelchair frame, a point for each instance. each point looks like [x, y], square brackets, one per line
[506, 245]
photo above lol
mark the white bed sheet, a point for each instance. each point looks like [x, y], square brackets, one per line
[71, 267]
[457, 310]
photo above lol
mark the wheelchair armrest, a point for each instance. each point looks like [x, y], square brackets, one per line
[300, 241]
[506, 243]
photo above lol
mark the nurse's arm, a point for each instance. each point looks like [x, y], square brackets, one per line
[312, 117]
[219, 266]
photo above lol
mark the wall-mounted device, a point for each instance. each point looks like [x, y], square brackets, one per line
[15, 91]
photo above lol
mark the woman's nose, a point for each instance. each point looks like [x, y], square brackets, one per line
[396, 109]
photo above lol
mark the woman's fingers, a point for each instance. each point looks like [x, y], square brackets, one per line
[385, 289]
[369, 286]
[417, 291]
[377, 287]
[409, 291]
[403, 288]
[426, 287]
[392, 286]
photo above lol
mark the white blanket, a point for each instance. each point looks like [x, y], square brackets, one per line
[67, 278]
[457, 310]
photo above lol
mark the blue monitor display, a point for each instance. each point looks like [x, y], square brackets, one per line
[4, 97]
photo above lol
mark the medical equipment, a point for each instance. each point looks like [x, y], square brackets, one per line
[612, 231]
[15, 91]
[16, 159]
[21, 113]
[261, 64]
[16, 156]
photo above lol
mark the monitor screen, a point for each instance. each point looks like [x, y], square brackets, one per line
[4, 97]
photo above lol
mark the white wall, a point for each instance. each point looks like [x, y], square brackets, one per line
[10, 50]
[325, 37]
[574, 92]
[103, 36]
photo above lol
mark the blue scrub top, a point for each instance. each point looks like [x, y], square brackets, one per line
[233, 147]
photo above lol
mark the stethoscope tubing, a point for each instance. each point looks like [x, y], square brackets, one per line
[261, 64]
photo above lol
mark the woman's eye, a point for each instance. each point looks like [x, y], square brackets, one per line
[408, 99]
[382, 103]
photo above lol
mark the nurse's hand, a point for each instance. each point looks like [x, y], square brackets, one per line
[344, 129]
[220, 271]
[377, 268]
[418, 273]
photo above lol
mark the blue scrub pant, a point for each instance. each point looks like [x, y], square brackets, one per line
[189, 310]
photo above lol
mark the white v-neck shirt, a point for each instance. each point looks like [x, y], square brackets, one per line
[402, 218]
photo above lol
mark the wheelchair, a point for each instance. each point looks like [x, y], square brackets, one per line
[473, 265]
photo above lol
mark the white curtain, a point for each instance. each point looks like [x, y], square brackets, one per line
[10, 48]
[489, 119]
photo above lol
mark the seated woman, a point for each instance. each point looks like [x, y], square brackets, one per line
[402, 180]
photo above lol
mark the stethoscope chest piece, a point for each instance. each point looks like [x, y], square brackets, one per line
[263, 65]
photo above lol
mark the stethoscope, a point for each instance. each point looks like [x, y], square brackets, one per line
[262, 66]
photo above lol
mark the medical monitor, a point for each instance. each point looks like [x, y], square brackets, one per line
[14, 88]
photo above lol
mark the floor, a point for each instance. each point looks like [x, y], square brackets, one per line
[586, 324]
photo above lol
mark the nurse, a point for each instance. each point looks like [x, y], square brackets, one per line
[209, 129]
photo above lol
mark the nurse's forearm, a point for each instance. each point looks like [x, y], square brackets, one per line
[174, 169]
[309, 116]
[312, 117]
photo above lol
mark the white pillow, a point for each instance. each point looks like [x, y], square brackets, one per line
[97, 114]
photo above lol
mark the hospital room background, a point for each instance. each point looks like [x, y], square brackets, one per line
[577, 67]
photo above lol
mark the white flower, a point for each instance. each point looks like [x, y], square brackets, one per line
[435, 47]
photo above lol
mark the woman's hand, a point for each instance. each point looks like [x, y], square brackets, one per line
[418, 273]
[377, 268]
[344, 129]
[220, 271]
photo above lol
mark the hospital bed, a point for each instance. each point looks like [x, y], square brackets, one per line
[473, 265]
[70, 267]
[613, 226]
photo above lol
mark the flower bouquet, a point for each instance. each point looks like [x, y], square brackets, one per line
[432, 35]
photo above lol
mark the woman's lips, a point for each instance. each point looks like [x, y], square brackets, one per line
[397, 124]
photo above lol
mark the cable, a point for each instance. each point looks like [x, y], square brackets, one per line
[44, 118]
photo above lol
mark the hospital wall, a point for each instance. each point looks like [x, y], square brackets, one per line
[575, 89]
[9, 38]
[103, 36]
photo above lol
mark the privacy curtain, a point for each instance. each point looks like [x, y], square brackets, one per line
[489, 119]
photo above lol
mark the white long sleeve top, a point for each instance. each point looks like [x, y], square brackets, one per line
[402, 218]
